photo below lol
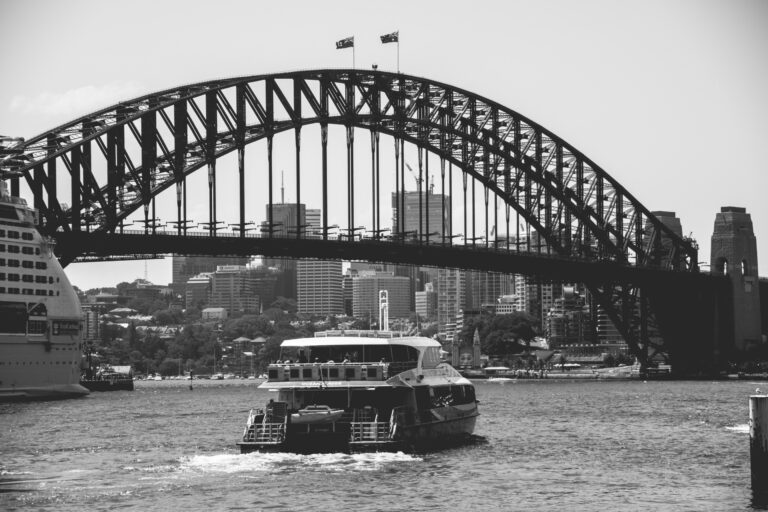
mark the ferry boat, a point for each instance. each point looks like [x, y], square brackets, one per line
[360, 391]
[40, 319]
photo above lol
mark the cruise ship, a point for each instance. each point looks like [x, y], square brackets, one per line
[361, 391]
[40, 319]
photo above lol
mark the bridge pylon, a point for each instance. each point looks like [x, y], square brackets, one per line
[734, 254]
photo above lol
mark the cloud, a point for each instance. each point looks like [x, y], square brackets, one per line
[75, 102]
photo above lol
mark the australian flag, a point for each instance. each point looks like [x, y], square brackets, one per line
[390, 38]
[349, 42]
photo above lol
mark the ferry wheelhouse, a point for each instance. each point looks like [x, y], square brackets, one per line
[360, 391]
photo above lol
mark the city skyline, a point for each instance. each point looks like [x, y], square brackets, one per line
[667, 97]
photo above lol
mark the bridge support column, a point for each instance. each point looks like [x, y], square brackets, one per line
[734, 254]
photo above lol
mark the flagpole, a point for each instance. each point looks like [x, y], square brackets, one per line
[398, 52]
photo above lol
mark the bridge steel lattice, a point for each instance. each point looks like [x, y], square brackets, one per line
[575, 212]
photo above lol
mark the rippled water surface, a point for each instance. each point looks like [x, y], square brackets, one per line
[544, 445]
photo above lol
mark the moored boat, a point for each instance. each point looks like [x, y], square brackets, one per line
[388, 392]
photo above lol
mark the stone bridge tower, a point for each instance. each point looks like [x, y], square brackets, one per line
[734, 253]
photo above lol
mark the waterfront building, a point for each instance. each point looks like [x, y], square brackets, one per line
[365, 294]
[568, 319]
[320, 291]
[535, 297]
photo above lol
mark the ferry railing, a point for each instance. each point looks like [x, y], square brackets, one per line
[369, 431]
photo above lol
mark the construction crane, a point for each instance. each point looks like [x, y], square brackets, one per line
[420, 180]
[415, 177]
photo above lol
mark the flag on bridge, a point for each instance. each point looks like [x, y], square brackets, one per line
[348, 42]
[394, 37]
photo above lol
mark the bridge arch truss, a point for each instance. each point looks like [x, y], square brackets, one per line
[153, 143]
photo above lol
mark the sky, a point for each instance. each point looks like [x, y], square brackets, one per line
[669, 97]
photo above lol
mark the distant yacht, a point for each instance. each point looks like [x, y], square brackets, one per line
[40, 319]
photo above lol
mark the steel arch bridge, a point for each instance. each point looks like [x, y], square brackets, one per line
[119, 159]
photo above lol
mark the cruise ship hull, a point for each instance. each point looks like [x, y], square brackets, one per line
[35, 370]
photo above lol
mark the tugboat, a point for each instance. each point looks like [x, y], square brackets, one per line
[348, 391]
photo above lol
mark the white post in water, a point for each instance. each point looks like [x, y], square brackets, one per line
[758, 442]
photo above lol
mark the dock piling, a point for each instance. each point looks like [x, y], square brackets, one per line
[758, 445]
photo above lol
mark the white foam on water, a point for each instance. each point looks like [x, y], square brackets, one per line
[739, 429]
[271, 462]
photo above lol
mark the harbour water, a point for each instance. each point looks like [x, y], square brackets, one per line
[541, 445]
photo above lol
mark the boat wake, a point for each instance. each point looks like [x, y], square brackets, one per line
[739, 429]
[289, 462]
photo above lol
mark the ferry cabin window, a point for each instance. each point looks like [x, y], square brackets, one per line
[41, 265]
[27, 264]
[13, 290]
[41, 279]
[2, 276]
[7, 212]
[13, 277]
[28, 278]
[28, 250]
[26, 236]
[2, 247]
[13, 249]
[2, 262]
[2, 232]
[431, 357]
[13, 263]
[14, 315]
[13, 234]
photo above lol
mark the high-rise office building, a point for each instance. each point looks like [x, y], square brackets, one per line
[451, 300]
[426, 303]
[319, 287]
[185, 267]
[433, 223]
[486, 288]
[365, 294]
[198, 291]
[232, 289]
[288, 220]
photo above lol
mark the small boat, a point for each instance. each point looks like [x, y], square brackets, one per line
[500, 379]
[316, 414]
